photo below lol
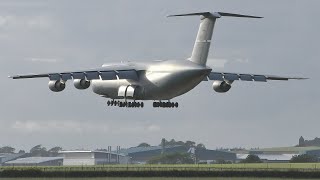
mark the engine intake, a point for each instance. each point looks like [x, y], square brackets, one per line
[57, 86]
[81, 83]
[221, 86]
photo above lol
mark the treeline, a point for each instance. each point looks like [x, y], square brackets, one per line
[173, 142]
[36, 151]
[177, 157]
[302, 158]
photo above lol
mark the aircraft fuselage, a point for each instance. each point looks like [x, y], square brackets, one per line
[161, 80]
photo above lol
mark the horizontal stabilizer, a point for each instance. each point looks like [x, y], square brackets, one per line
[237, 15]
[215, 15]
[191, 14]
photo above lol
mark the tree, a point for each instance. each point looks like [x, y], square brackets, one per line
[171, 142]
[189, 144]
[143, 145]
[172, 158]
[7, 149]
[181, 143]
[251, 159]
[54, 151]
[22, 151]
[200, 146]
[38, 150]
[303, 158]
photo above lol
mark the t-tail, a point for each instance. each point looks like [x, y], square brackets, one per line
[202, 44]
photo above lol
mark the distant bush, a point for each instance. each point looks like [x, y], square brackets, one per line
[251, 159]
[222, 161]
[144, 145]
[303, 158]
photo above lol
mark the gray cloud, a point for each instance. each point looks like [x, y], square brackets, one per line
[82, 34]
[44, 60]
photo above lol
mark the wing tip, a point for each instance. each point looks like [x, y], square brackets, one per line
[298, 78]
[302, 78]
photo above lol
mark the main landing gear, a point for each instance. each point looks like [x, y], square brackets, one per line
[133, 104]
[165, 104]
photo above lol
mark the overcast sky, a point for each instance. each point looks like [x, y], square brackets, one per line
[52, 36]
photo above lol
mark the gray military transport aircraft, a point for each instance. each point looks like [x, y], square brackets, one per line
[159, 81]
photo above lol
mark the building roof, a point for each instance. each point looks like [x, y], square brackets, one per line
[207, 154]
[143, 149]
[33, 160]
[89, 151]
[9, 156]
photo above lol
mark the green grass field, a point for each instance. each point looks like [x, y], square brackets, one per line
[180, 167]
[302, 170]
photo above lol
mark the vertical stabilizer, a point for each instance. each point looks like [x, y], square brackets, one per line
[202, 44]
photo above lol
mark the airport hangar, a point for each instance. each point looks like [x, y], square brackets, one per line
[93, 158]
[5, 157]
[36, 161]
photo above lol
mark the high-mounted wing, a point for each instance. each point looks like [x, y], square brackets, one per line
[104, 73]
[223, 76]
[82, 79]
[223, 80]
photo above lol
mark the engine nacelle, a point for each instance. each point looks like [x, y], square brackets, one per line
[221, 86]
[57, 86]
[81, 83]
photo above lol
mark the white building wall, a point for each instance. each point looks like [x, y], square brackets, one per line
[78, 162]
[91, 158]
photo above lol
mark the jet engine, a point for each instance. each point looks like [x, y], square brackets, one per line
[57, 86]
[81, 83]
[221, 86]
